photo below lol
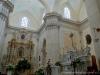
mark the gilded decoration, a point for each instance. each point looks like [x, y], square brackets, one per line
[19, 48]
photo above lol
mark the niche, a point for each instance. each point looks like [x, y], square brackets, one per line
[88, 39]
[44, 44]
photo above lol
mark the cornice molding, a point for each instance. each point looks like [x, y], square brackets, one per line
[61, 19]
[53, 15]
[17, 28]
[83, 21]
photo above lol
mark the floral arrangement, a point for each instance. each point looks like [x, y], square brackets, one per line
[10, 67]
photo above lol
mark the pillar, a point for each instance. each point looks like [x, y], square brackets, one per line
[6, 7]
[52, 36]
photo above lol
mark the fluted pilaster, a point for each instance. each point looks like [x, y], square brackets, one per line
[6, 7]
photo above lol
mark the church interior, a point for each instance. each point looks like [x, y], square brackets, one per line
[49, 37]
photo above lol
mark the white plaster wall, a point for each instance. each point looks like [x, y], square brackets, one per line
[93, 12]
[76, 39]
[74, 8]
[84, 33]
[42, 36]
[86, 29]
[35, 41]
[83, 13]
[53, 45]
[65, 30]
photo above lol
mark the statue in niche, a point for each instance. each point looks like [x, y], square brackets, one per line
[44, 53]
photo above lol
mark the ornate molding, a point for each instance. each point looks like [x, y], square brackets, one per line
[58, 19]
[52, 15]
[18, 29]
[50, 27]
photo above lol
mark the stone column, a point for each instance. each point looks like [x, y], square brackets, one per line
[52, 34]
[93, 13]
[5, 8]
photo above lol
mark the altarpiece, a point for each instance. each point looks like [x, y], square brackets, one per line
[20, 46]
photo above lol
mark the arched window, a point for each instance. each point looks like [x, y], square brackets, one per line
[66, 13]
[43, 17]
[24, 22]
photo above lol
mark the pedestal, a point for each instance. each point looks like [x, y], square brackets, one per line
[55, 70]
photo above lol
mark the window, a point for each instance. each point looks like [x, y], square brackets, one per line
[43, 17]
[42, 21]
[24, 22]
[66, 13]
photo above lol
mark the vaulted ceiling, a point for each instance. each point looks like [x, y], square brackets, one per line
[35, 9]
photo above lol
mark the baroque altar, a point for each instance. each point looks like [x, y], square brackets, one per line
[20, 46]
